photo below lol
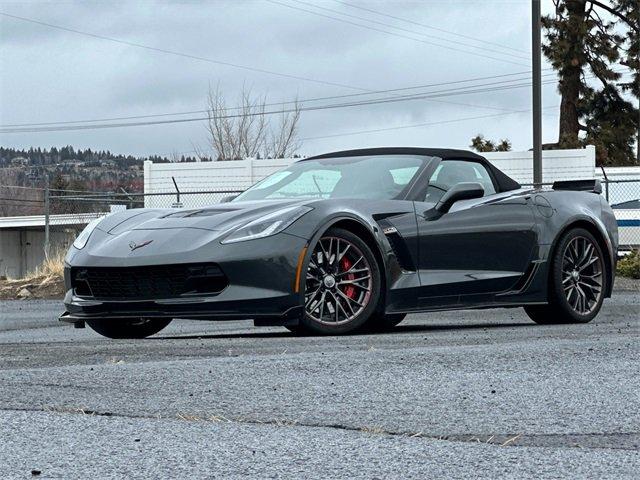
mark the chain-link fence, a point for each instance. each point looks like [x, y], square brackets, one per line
[68, 212]
[51, 220]
[624, 197]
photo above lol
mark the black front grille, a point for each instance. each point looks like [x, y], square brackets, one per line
[149, 282]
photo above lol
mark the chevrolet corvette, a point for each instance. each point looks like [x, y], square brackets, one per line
[350, 241]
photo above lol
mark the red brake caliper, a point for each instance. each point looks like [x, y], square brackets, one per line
[349, 290]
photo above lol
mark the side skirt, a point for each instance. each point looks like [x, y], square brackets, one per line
[531, 289]
[476, 306]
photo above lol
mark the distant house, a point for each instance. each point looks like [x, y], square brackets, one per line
[19, 161]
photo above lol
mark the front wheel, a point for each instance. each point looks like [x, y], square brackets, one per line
[578, 281]
[127, 327]
[342, 287]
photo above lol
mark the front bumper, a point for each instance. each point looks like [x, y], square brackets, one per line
[261, 284]
[272, 311]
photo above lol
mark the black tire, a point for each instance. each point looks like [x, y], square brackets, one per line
[561, 307]
[128, 328]
[366, 289]
[377, 323]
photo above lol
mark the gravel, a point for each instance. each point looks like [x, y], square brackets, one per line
[458, 394]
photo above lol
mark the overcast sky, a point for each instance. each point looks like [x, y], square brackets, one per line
[50, 75]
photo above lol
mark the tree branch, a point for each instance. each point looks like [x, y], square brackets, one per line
[614, 12]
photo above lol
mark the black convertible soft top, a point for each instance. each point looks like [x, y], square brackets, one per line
[504, 183]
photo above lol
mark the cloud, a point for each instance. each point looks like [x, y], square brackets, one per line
[53, 75]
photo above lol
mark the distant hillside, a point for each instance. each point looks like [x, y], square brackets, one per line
[81, 169]
[67, 169]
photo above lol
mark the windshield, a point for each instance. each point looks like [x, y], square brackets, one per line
[375, 177]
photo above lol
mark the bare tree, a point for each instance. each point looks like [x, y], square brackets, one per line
[174, 156]
[283, 142]
[247, 131]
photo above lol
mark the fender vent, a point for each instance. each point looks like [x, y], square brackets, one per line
[398, 245]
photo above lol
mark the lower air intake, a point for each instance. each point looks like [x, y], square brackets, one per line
[148, 282]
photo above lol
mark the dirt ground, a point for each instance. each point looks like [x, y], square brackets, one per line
[48, 287]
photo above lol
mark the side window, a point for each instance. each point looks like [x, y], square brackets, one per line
[451, 172]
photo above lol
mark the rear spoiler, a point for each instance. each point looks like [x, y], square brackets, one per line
[579, 185]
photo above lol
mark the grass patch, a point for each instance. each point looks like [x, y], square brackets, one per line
[629, 265]
[46, 281]
[51, 267]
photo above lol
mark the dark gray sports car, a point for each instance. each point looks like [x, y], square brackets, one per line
[350, 241]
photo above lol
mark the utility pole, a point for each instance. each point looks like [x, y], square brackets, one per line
[536, 27]
[47, 214]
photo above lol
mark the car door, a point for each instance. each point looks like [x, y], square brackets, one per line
[480, 246]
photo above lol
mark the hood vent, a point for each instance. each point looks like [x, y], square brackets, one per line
[208, 212]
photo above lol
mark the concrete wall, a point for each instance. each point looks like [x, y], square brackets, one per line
[11, 260]
[22, 250]
[235, 175]
[556, 164]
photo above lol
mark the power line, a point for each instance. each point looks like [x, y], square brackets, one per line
[176, 53]
[415, 125]
[179, 54]
[192, 112]
[159, 50]
[490, 87]
[428, 96]
[287, 102]
[430, 27]
[409, 31]
[276, 2]
[359, 132]
[423, 96]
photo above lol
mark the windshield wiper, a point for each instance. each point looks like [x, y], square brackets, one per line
[317, 186]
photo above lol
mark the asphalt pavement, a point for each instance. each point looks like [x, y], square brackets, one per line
[461, 394]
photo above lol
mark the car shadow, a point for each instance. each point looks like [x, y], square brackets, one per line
[398, 330]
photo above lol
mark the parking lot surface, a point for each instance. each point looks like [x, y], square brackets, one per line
[460, 394]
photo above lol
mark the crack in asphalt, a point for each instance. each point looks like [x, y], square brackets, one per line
[558, 440]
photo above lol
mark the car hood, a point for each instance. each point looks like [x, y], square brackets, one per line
[215, 218]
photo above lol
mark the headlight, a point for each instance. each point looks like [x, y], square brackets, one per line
[83, 238]
[267, 225]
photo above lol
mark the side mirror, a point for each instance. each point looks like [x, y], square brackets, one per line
[460, 191]
[228, 198]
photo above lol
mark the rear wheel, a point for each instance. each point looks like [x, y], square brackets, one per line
[578, 281]
[342, 287]
[127, 327]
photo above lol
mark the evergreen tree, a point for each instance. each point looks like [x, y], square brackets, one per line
[59, 183]
[596, 38]
[480, 144]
